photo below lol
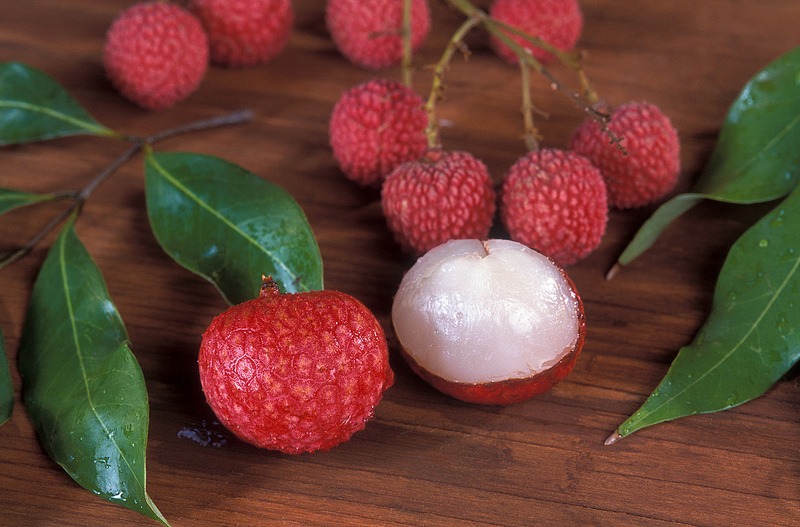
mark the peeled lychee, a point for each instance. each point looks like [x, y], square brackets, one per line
[491, 322]
[156, 54]
[368, 32]
[295, 372]
[245, 32]
[555, 201]
[443, 196]
[375, 126]
[647, 166]
[557, 22]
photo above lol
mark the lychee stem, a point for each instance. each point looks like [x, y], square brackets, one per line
[586, 99]
[406, 35]
[437, 86]
[139, 143]
[268, 287]
[531, 135]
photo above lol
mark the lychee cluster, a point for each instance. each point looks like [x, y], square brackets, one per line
[157, 53]
[554, 200]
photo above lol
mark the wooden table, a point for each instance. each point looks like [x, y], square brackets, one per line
[425, 459]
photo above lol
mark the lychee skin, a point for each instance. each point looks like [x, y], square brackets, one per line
[648, 168]
[443, 196]
[245, 32]
[368, 32]
[375, 126]
[155, 54]
[555, 201]
[557, 22]
[295, 372]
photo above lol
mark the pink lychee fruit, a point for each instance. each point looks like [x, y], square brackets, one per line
[245, 32]
[445, 195]
[375, 126]
[555, 201]
[647, 165]
[557, 22]
[368, 32]
[488, 321]
[155, 54]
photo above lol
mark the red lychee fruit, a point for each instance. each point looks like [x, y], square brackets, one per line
[555, 201]
[368, 32]
[557, 22]
[155, 54]
[443, 196]
[374, 127]
[245, 32]
[295, 372]
[491, 322]
[649, 166]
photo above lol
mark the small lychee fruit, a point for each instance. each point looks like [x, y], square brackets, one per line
[647, 166]
[443, 196]
[245, 32]
[368, 32]
[490, 322]
[375, 126]
[557, 22]
[295, 372]
[555, 201]
[155, 54]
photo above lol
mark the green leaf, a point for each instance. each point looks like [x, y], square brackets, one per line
[229, 225]
[756, 158]
[34, 107]
[752, 335]
[82, 387]
[13, 199]
[6, 389]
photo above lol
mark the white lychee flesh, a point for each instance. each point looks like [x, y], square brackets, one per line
[472, 311]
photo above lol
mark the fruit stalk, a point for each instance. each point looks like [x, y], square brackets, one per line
[407, 45]
[437, 86]
[586, 99]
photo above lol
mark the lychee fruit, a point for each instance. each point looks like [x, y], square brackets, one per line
[295, 372]
[555, 201]
[491, 322]
[369, 32]
[557, 22]
[155, 54]
[443, 196]
[375, 126]
[245, 32]
[644, 166]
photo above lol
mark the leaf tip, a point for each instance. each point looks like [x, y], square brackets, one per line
[613, 438]
[616, 268]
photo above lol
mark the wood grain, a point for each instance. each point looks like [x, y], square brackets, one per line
[425, 460]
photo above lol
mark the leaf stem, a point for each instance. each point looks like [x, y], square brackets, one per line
[81, 196]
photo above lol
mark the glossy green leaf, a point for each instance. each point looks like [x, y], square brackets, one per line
[13, 199]
[756, 157]
[34, 107]
[6, 389]
[752, 335]
[82, 386]
[229, 225]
